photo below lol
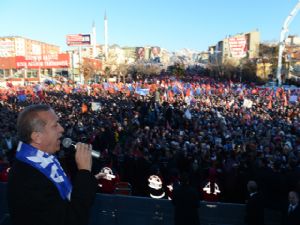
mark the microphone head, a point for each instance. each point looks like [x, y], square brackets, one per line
[67, 142]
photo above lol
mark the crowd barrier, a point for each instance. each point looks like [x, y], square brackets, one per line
[130, 210]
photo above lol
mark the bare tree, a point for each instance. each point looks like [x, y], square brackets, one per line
[248, 70]
[269, 54]
[122, 71]
[230, 69]
[89, 68]
[143, 70]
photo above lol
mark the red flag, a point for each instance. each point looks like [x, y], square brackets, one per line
[170, 96]
[111, 90]
[84, 108]
[188, 92]
[270, 104]
[278, 92]
[270, 97]
[285, 101]
[254, 91]
[227, 105]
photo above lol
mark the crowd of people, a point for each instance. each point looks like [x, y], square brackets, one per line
[221, 133]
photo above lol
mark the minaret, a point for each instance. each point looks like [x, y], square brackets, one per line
[94, 40]
[105, 37]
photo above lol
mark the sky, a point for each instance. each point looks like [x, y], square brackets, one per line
[170, 24]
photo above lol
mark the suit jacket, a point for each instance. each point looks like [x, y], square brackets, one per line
[292, 218]
[254, 210]
[186, 201]
[34, 200]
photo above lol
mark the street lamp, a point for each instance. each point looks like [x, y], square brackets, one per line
[283, 33]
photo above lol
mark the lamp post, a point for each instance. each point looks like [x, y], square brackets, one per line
[283, 33]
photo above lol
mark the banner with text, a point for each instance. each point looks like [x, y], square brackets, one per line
[238, 46]
[43, 61]
[78, 39]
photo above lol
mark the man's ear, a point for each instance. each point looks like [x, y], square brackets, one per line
[36, 137]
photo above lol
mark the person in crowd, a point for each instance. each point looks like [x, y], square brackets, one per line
[39, 192]
[291, 215]
[186, 201]
[257, 139]
[254, 206]
[8, 145]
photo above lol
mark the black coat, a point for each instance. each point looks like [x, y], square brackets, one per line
[254, 210]
[186, 200]
[292, 218]
[34, 200]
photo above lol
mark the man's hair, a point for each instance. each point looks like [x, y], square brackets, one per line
[29, 121]
[294, 193]
[184, 178]
[252, 186]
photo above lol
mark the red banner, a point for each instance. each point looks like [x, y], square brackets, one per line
[43, 61]
[238, 46]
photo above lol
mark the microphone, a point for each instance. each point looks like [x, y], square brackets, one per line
[67, 143]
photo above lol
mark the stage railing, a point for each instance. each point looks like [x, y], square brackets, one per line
[130, 210]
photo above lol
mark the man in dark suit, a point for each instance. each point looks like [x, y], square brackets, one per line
[292, 213]
[39, 192]
[186, 201]
[254, 206]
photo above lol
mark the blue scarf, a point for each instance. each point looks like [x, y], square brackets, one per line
[46, 164]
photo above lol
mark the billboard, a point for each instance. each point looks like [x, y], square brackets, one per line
[43, 61]
[140, 53]
[238, 46]
[155, 54]
[78, 39]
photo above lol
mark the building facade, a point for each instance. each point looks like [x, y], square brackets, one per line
[234, 48]
[25, 59]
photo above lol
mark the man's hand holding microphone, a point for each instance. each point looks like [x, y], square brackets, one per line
[83, 156]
